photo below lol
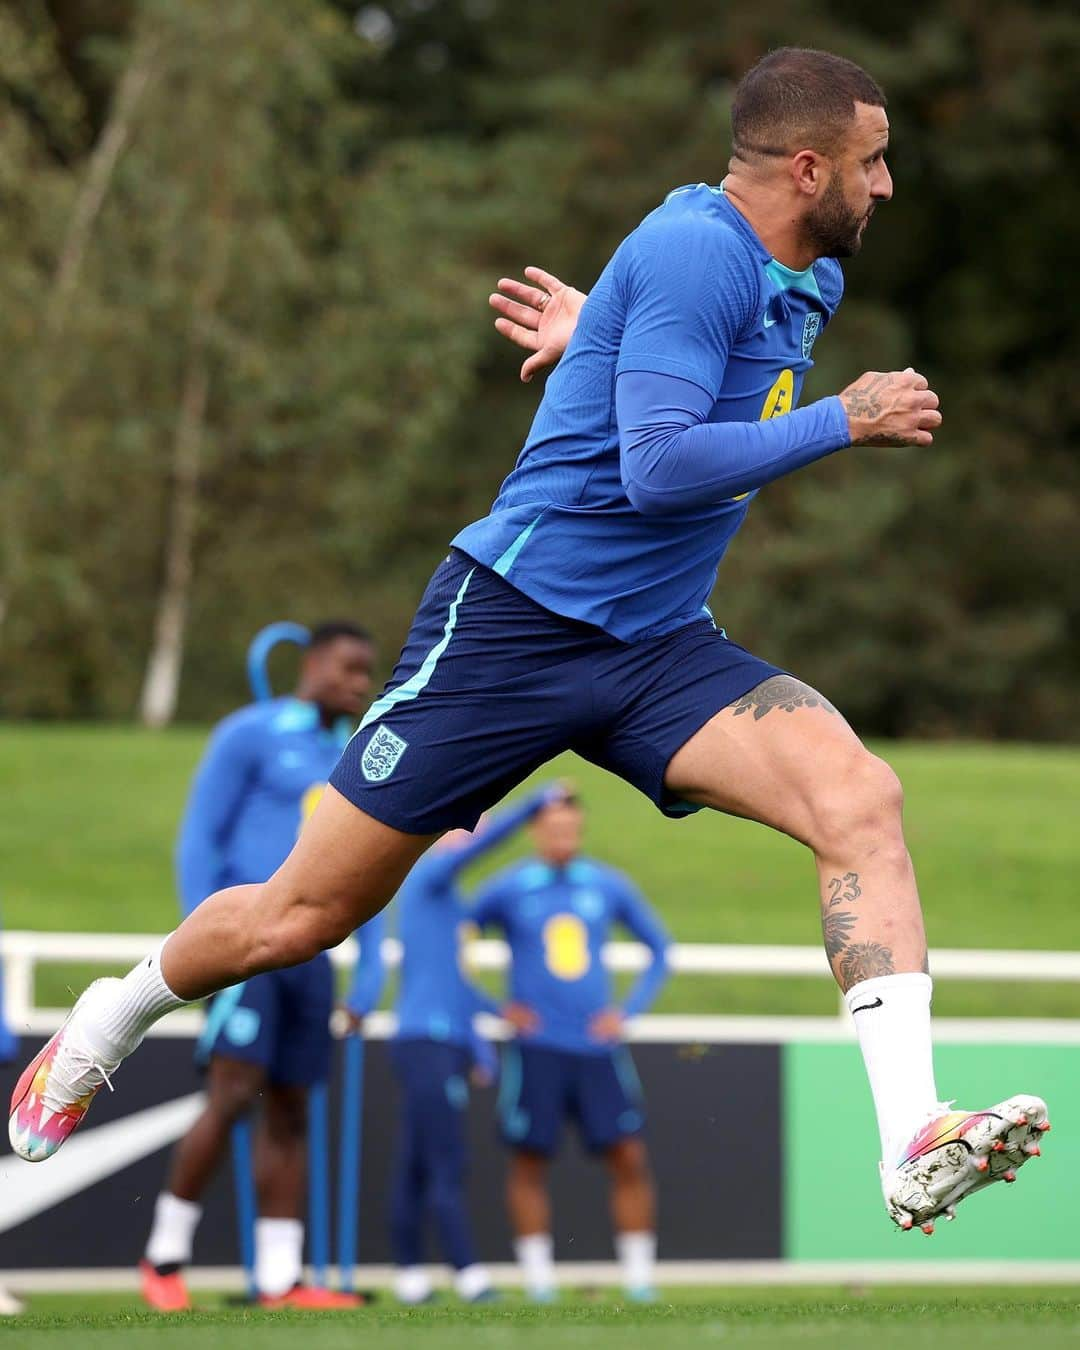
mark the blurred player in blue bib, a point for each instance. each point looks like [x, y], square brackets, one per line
[268, 1039]
[435, 1053]
[568, 1062]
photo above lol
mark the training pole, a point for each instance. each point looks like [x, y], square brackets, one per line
[349, 1158]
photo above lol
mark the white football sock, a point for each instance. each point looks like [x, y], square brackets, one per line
[637, 1257]
[125, 1010]
[279, 1255]
[892, 1018]
[472, 1281]
[536, 1256]
[412, 1284]
[173, 1233]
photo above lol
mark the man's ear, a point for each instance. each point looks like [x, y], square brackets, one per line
[809, 172]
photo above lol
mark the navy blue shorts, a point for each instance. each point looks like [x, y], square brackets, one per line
[279, 1020]
[540, 1088]
[490, 685]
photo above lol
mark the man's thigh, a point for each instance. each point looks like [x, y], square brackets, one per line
[242, 1023]
[487, 689]
[304, 1048]
[656, 696]
[773, 755]
[534, 1091]
[609, 1102]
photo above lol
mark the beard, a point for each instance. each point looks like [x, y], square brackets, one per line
[833, 229]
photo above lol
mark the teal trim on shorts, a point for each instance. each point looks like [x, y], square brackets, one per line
[415, 685]
[514, 1120]
[221, 1010]
[627, 1074]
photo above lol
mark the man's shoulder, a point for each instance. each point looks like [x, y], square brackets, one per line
[241, 722]
[256, 724]
[697, 213]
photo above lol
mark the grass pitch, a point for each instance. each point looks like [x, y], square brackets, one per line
[883, 1318]
[91, 813]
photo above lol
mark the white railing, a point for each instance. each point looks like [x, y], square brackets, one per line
[23, 952]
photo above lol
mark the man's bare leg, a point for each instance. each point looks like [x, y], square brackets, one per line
[343, 869]
[233, 1087]
[633, 1212]
[782, 755]
[529, 1205]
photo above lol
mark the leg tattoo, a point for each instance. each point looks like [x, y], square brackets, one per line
[852, 961]
[780, 691]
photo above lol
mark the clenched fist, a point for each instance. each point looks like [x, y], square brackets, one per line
[895, 407]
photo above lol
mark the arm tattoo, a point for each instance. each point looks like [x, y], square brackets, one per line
[836, 927]
[863, 961]
[780, 691]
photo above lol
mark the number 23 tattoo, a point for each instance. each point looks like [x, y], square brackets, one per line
[844, 890]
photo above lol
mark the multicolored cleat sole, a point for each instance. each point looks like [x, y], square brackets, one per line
[959, 1153]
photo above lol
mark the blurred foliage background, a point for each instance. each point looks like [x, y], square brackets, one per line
[248, 370]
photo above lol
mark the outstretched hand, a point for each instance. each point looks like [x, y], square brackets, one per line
[541, 318]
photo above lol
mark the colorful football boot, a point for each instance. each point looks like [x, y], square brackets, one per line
[960, 1152]
[53, 1095]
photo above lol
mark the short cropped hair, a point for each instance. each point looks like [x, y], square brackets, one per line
[798, 98]
[332, 629]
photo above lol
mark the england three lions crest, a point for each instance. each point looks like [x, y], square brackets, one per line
[811, 328]
[381, 755]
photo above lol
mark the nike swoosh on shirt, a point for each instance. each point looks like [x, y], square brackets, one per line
[866, 1007]
[767, 321]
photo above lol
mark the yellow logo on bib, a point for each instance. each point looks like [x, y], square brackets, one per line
[566, 947]
[780, 397]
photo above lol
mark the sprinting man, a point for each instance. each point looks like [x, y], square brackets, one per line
[267, 1039]
[556, 910]
[435, 1051]
[574, 616]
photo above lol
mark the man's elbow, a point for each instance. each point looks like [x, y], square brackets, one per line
[647, 500]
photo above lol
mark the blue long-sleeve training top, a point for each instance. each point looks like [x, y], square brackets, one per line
[556, 920]
[435, 999]
[671, 407]
[260, 778]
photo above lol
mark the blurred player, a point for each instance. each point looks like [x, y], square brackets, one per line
[556, 911]
[575, 616]
[434, 1051]
[266, 1040]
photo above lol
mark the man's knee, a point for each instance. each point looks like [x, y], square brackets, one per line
[285, 1116]
[294, 928]
[233, 1096]
[628, 1161]
[858, 806]
[528, 1168]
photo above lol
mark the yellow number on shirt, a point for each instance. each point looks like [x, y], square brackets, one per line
[566, 947]
[779, 399]
[777, 402]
